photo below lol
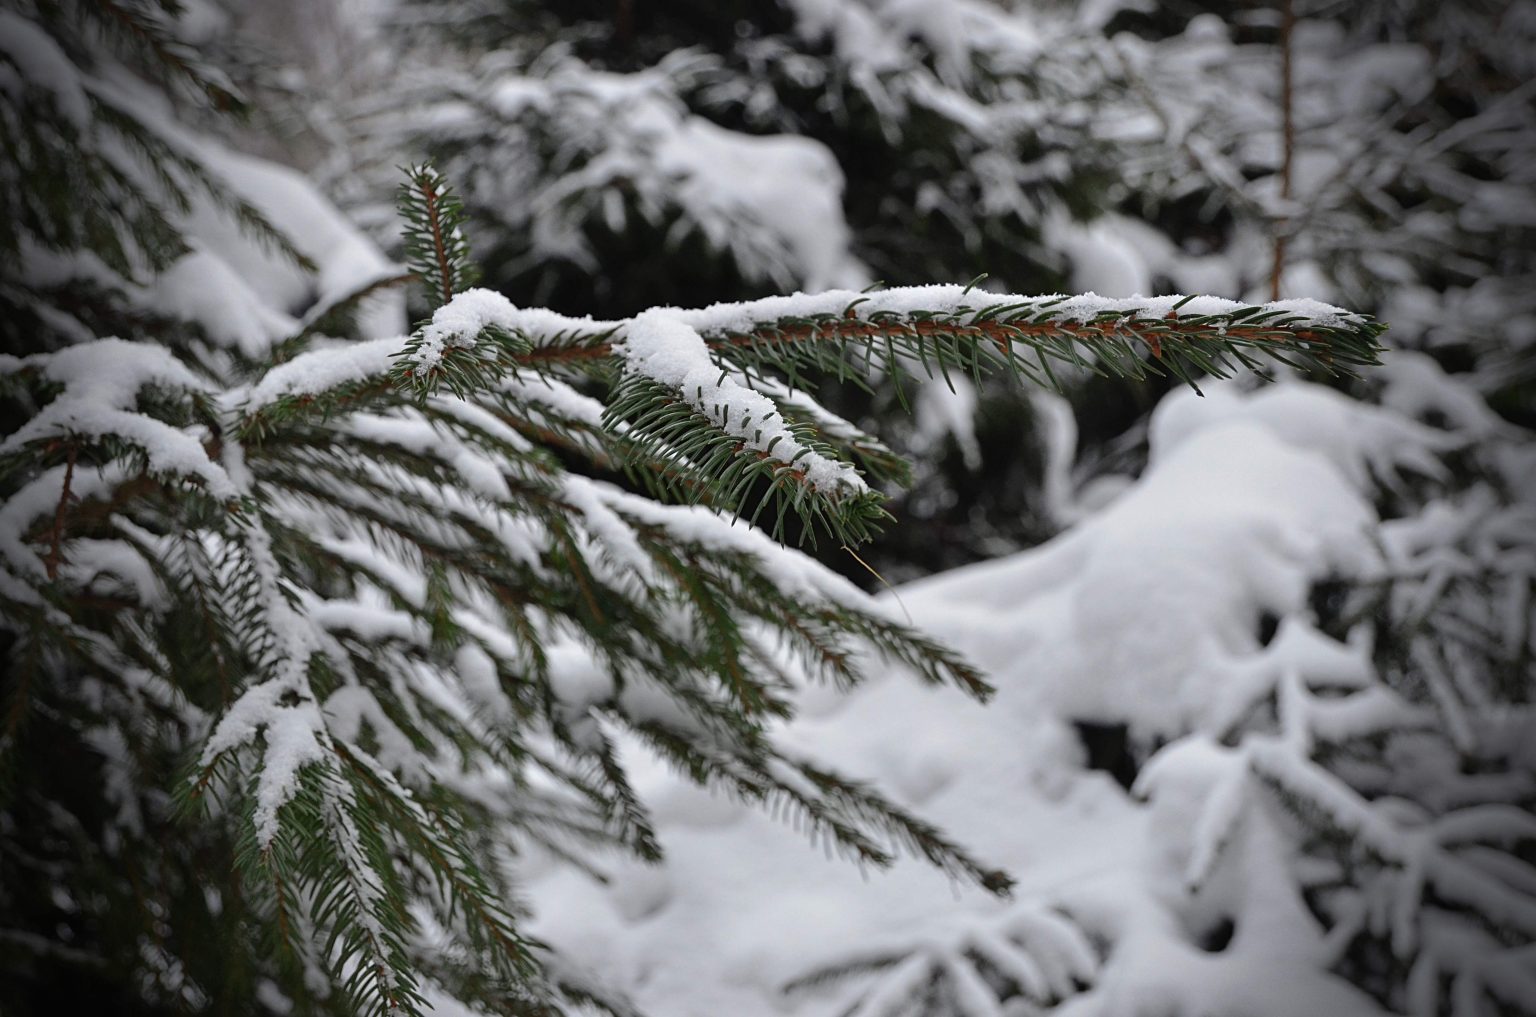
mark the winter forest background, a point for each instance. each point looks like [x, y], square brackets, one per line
[357, 664]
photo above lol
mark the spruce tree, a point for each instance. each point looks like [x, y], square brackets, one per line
[309, 635]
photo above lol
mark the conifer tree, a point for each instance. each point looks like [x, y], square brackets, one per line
[309, 635]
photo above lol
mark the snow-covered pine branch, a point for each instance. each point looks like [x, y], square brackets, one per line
[684, 392]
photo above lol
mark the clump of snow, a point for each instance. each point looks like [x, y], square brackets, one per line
[787, 185]
[1138, 610]
[456, 324]
[856, 33]
[321, 369]
[203, 288]
[476, 671]
[102, 381]
[948, 409]
[1358, 439]
[630, 147]
[1415, 387]
[576, 677]
[1104, 260]
[29, 56]
[352, 707]
[113, 566]
[346, 260]
[664, 348]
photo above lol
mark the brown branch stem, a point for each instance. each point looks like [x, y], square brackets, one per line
[1002, 333]
[439, 248]
[1287, 142]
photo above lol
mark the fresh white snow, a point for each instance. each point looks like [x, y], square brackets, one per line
[1143, 613]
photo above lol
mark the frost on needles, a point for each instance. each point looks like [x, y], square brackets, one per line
[395, 627]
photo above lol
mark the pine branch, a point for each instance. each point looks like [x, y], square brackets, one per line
[678, 435]
[435, 246]
[911, 833]
[1176, 342]
[684, 392]
[436, 836]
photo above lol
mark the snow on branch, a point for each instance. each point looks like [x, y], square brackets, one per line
[101, 384]
[696, 385]
[1197, 327]
[662, 347]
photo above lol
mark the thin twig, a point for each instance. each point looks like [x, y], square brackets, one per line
[438, 247]
[885, 582]
[1287, 142]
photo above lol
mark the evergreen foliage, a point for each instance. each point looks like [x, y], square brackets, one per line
[1391, 162]
[317, 632]
[435, 246]
[1057, 147]
[905, 149]
[307, 638]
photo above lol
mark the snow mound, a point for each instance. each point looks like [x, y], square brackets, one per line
[1147, 613]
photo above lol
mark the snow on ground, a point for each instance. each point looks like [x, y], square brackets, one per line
[1147, 613]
